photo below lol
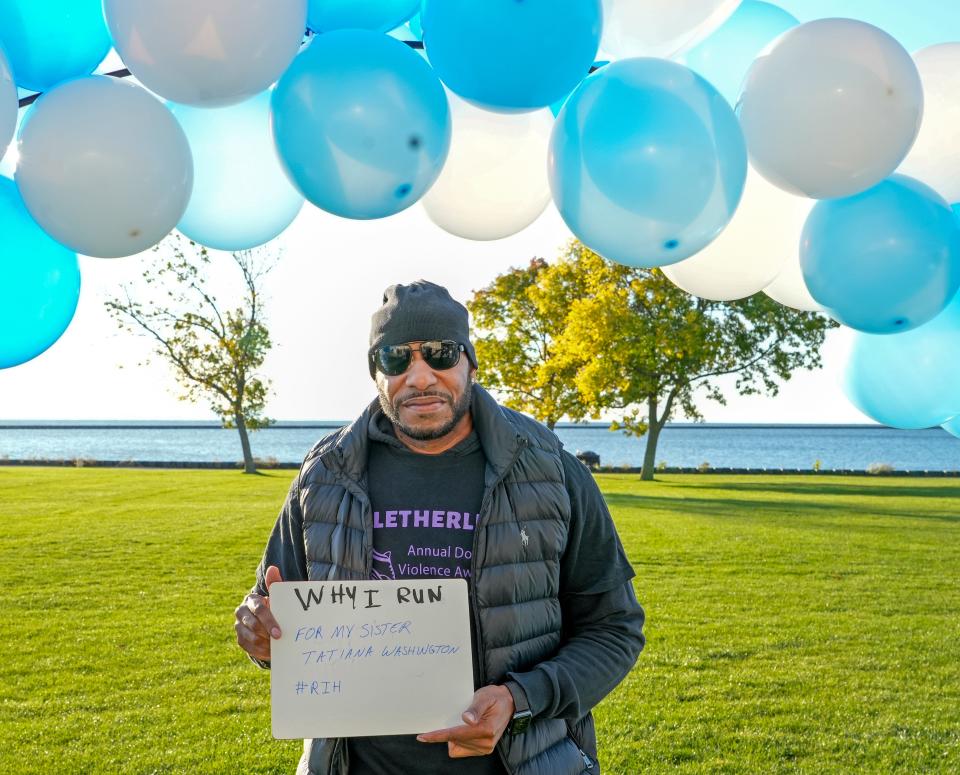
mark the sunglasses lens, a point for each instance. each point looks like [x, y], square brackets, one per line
[394, 360]
[441, 355]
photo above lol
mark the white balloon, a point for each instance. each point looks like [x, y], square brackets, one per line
[8, 164]
[9, 104]
[104, 167]
[789, 287]
[241, 196]
[660, 28]
[935, 156]
[831, 108]
[494, 182]
[207, 52]
[762, 236]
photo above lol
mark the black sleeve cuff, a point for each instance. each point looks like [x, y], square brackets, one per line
[534, 690]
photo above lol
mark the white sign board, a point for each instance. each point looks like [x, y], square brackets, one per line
[369, 657]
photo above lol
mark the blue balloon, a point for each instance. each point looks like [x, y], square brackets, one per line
[953, 427]
[379, 15]
[48, 41]
[39, 283]
[908, 380]
[509, 55]
[647, 162]
[241, 195]
[361, 124]
[883, 261]
[726, 55]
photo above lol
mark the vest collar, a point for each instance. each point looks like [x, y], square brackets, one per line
[501, 432]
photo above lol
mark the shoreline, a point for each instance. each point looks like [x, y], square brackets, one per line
[274, 465]
[197, 425]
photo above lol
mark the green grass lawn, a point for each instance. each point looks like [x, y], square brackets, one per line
[795, 624]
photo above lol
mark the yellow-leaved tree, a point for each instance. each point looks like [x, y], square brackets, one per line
[588, 337]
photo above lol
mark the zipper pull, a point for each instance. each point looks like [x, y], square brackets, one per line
[588, 763]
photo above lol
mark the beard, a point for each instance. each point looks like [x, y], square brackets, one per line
[458, 408]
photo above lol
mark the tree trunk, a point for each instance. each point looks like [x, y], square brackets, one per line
[653, 434]
[551, 423]
[650, 454]
[248, 464]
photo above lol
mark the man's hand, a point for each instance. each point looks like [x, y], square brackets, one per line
[484, 722]
[254, 622]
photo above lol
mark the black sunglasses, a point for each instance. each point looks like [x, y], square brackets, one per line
[394, 359]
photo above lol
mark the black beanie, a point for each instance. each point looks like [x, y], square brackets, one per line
[419, 312]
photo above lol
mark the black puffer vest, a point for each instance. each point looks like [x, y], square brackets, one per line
[515, 583]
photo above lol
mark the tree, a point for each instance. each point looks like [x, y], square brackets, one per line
[516, 319]
[215, 352]
[632, 342]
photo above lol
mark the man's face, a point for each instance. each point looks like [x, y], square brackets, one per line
[425, 404]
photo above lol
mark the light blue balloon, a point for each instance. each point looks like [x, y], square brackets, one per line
[241, 195]
[953, 427]
[361, 124]
[39, 283]
[726, 55]
[556, 107]
[379, 15]
[509, 55]
[416, 26]
[908, 380]
[883, 261]
[647, 162]
[48, 41]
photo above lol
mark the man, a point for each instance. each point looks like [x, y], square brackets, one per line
[435, 479]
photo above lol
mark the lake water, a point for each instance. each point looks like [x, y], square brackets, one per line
[681, 445]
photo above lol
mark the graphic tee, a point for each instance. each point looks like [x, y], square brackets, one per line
[424, 519]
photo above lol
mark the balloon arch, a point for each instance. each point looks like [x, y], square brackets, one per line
[721, 140]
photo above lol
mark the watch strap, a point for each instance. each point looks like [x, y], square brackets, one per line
[522, 716]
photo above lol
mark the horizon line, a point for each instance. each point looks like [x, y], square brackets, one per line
[135, 424]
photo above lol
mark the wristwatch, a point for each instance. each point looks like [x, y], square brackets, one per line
[522, 714]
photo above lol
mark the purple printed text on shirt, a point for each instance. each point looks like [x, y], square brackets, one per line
[452, 520]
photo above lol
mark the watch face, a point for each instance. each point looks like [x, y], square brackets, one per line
[520, 722]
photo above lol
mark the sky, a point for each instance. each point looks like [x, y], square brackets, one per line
[330, 279]
[326, 285]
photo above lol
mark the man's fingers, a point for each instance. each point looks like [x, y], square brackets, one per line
[457, 751]
[257, 644]
[248, 620]
[476, 711]
[463, 741]
[484, 721]
[465, 734]
[445, 735]
[255, 623]
[272, 575]
[259, 607]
